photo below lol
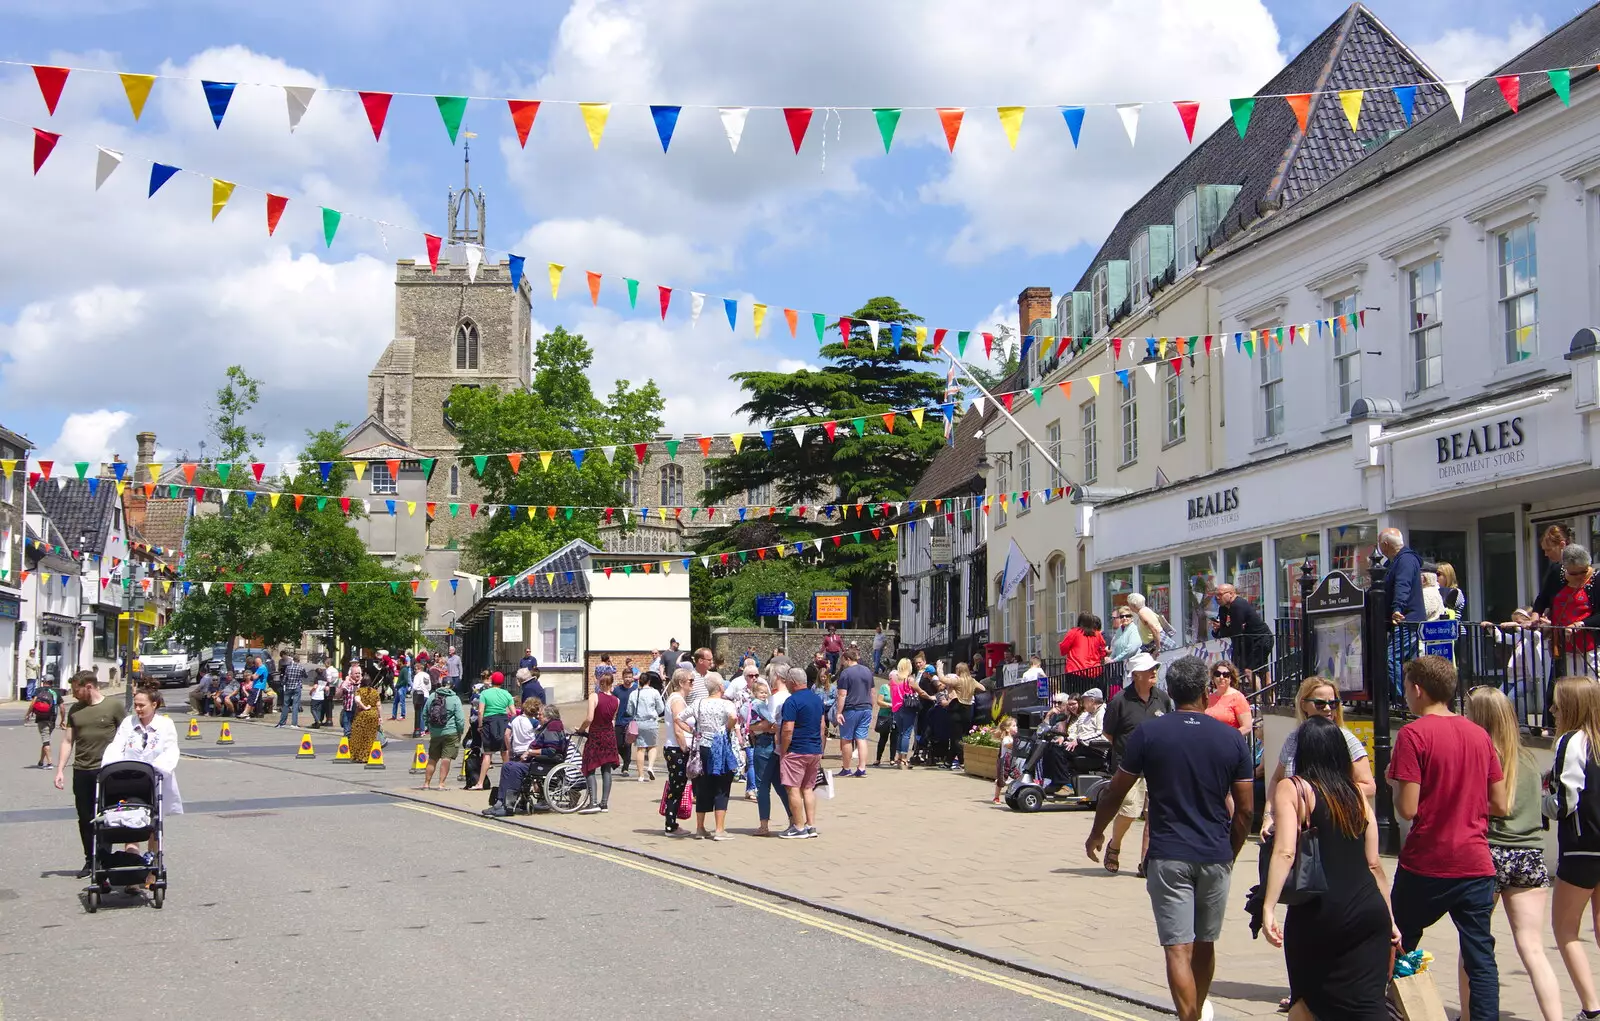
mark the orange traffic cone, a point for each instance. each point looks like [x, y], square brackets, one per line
[375, 757]
[194, 730]
[305, 751]
[226, 737]
[343, 754]
[419, 761]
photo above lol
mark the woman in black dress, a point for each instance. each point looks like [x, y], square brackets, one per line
[1337, 946]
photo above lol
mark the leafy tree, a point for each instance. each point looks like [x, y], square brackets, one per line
[559, 411]
[236, 398]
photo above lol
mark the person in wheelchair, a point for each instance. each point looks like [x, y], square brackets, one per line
[537, 742]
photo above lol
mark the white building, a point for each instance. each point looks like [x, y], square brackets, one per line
[52, 598]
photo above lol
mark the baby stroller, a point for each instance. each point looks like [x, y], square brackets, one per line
[127, 811]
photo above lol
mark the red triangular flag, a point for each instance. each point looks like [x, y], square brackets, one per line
[433, 241]
[275, 204]
[199, 493]
[1208, 345]
[608, 571]
[1510, 87]
[188, 472]
[1116, 348]
[888, 423]
[523, 111]
[515, 460]
[705, 446]
[299, 498]
[877, 533]
[988, 345]
[44, 469]
[415, 585]
[799, 119]
[266, 586]
[394, 468]
[344, 504]
[227, 588]
[950, 117]
[594, 287]
[43, 143]
[472, 510]
[844, 330]
[344, 586]
[257, 468]
[1186, 112]
[1177, 365]
[837, 540]
[760, 553]
[493, 578]
[830, 428]
[1006, 400]
[723, 559]
[377, 105]
[51, 79]
[666, 299]
[639, 449]
[1300, 103]
[938, 339]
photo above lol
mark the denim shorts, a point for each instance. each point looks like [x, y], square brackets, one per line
[857, 725]
[1188, 898]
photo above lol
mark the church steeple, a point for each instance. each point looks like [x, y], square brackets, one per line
[466, 207]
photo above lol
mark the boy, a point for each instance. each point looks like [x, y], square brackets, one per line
[1447, 781]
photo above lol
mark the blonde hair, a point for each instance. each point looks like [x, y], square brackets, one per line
[903, 668]
[1447, 575]
[1309, 685]
[1577, 707]
[963, 671]
[681, 679]
[1489, 708]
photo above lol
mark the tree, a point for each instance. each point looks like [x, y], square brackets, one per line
[558, 412]
[992, 381]
[236, 398]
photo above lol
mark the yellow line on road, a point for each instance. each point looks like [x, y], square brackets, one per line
[958, 968]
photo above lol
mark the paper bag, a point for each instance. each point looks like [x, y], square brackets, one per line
[1417, 998]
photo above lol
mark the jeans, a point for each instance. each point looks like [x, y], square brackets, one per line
[345, 719]
[1402, 647]
[905, 728]
[763, 763]
[399, 707]
[291, 703]
[624, 745]
[83, 783]
[1419, 901]
[877, 661]
[833, 664]
[416, 712]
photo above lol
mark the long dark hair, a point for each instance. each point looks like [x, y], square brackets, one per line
[1322, 759]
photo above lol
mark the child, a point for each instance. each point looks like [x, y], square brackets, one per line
[1573, 800]
[1005, 767]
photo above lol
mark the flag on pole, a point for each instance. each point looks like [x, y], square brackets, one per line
[1016, 571]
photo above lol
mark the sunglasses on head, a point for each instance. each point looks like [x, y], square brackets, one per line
[1322, 703]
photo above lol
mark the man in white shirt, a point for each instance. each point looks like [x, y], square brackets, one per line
[1091, 723]
[703, 660]
[739, 687]
[1035, 671]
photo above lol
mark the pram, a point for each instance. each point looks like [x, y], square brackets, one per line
[127, 811]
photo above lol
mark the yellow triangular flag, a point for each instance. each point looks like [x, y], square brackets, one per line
[166, 586]
[555, 279]
[663, 513]
[549, 577]
[45, 577]
[155, 472]
[411, 508]
[1350, 99]
[1011, 120]
[736, 438]
[433, 584]
[916, 416]
[7, 466]
[894, 529]
[360, 468]
[1161, 348]
[221, 191]
[759, 312]
[922, 335]
[122, 487]
[595, 116]
[137, 86]
[544, 458]
[1094, 381]
[272, 499]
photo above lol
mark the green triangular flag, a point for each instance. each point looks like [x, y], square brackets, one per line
[1038, 396]
[479, 461]
[633, 292]
[451, 108]
[858, 537]
[627, 569]
[1242, 108]
[961, 343]
[694, 512]
[455, 509]
[1280, 336]
[1249, 347]
[249, 588]
[1561, 82]
[322, 503]
[82, 469]
[330, 223]
[569, 513]
[394, 586]
[172, 492]
[427, 467]
[672, 448]
[743, 556]
[816, 319]
[223, 471]
[887, 119]
[860, 426]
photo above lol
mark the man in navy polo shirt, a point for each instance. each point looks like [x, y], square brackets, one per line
[854, 713]
[800, 738]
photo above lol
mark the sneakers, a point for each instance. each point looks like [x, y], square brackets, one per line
[792, 833]
[859, 772]
[1206, 1013]
[591, 810]
[809, 832]
[88, 867]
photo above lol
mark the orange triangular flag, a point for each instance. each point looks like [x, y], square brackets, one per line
[950, 117]
[791, 317]
[594, 287]
[705, 446]
[516, 462]
[1300, 103]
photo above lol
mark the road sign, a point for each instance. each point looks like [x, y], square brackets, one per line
[1438, 638]
[830, 607]
[769, 604]
[786, 618]
[786, 608]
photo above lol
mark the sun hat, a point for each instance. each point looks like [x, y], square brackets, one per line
[1141, 662]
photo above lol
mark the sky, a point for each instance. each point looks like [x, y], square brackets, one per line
[119, 313]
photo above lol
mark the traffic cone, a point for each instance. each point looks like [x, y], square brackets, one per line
[375, 757]
[194, 730]
[305, 751]
[343, 754]
[419, 761]
[226, 737]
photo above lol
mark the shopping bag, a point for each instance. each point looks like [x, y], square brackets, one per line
[825, 783]
[1417, 998]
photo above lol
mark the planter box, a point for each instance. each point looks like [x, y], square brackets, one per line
[979, 760]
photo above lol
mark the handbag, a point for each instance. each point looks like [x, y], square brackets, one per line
[694, 766]
[633, 729]
[1306, 880]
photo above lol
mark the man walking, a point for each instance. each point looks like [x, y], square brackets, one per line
[879, 640]
[1135, 705]
[293, 677]
[853, 715]
[452, 669]
[446, 719]
[90, 724]
[1192, 765]
[669, 659]
[623, 691]
[802, 731]
[1403, 601]
[833, 644]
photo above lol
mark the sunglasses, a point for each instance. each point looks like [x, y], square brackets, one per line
[1223, 673]
[1322, 703]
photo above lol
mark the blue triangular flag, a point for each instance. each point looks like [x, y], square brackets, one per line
[512, 511]
[949, 412]
[160, 174]
[685, 563]
[185, 588]
[325, 467]
[1027, 344]
[516, 262]
[766, 437]
[731, 306]
[895, 329]
[118, 468]
[305, 588]
[1149, 347]
[1238, 338]
[1122, 377]
[453, 583]
[1407, 96]
[390, 505]
[1074, 116]
[569, 575]
[64, 580]
[217, 96]
[666, 118]
[249, 497]
[577, 457]
[94, 485]
[741, 513]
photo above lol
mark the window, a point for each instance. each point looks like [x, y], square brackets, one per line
[1024, 472]
[1100, 298]
[558, 634]
[1030, 638]
[1423, 284]
[1002, 482]
[1519, 290]
[467, 346]
[1186, 233]
[710, 476]
[1130, 422]
[938, 599]
[1177, 424]
[1271, 361]
[977, 589]
[630, 488]
[383, 481]
[1053, 441]
[1139, 266]
[455, 480]
[1058, 594]
[671, 485]
[8, 491]
[1346, 354]
[760, 495]
[1091, 443]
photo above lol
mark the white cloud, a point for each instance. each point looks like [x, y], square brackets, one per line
[1465, 53]
[91, 436]
[795, 365]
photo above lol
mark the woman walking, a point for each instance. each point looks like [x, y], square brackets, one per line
[762, 730]
[1336, 945]
[882, 718]
[600, 755]
[421, 685]
[364, 719]
[1574, 802]
[151, 738]
[1319, 697]
[402, 688]
[1517, 847]
[679, 740]
[903, 701]
[713, 719]
[646, 706]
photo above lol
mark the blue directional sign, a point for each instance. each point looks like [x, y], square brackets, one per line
[1438, 638]
[786, 607]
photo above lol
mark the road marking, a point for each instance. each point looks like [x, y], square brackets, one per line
[934, 960]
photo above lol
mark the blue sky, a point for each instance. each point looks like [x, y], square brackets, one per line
[117, 313]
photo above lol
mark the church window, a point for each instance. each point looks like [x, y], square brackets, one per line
[455, 480]
[630, 488]
[671, 485]
[467, 346]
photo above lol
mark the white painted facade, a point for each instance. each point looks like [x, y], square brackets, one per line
[637, 611]
[944, 602]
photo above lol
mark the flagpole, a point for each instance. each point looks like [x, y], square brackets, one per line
[958, 363]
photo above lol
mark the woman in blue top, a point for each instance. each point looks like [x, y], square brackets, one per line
[402, 689]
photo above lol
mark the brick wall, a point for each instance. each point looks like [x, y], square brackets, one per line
[641, 659]
[1033, 303]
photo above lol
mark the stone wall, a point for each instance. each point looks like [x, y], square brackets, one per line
[803, 642]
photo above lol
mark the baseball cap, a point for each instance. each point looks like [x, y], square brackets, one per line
[1095, 693]
[1061, 696]
[497, 678]
[1142, 661]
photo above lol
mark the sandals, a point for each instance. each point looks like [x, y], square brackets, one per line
[1113, 859]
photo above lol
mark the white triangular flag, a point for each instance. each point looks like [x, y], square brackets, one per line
[474, 259]
[1129, 112]
[366, 507]
[705, 561]
[1149, 370]
[624, 515]
[205, 586]
[105, 162]
[291, 469]
[299, 97]
[818, 544]
[697, 301]
[977, 404]
[733, 123]
[799, 434]
[1457, 91]
[610, 452]
[872, 327]
[61, 482]
[225, 494]
[325, 588]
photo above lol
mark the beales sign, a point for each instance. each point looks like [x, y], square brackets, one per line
[1213, 510]
[1502, 445]
[1481, 449]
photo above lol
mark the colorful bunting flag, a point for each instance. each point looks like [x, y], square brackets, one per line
[1129, 112]
[523, 111]
[1510, 88]
[221, 191]
[595, 116]
[555, 270]
[1011, 121]
[218, 96]
[106, 161]
[451, 110]
[137, 88]
[51, 80]
[1074, 118]
[1350, 102]
[1242, 109]
[330, 224]
[798, 118]
[377, 106]
[666, 118]
[298, 98]
[950, 120]
[1188, 110]
[44, 142]
[887, 117]
[1300, 103]
[594, 286]
[733, 118]
[160, 173]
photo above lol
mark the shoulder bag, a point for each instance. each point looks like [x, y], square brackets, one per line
[1306, 880]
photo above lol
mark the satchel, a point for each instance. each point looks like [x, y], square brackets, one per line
[633, 729]
[1306, 880]
[694, 766]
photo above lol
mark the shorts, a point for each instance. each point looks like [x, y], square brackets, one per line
[1580, 870]
[494, 734]
[444, 746]
[800, 771]
[857, 725]
[1518, 867]
[1188, 898]
[1133, 804]
[47, 727]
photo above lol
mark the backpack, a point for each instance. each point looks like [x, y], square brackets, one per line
[42, 704]
[439, 711]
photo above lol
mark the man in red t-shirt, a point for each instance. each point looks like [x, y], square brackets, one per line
[1447, 781]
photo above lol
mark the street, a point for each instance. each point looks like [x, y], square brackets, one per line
[301, 895]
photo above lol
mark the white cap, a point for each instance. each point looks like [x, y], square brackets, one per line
[1142, 661]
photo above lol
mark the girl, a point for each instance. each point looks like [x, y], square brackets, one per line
[1007, 729]
[1573, 800]
[319, 694]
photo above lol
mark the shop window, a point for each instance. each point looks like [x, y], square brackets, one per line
[1346, 348]
[1200, 601]
[1091, 443]
[1177, 424]
[1291, 552]
[1058, 595]
[1425, 328]
[1118, 585]
[1350, 550]
[1241, 566]
[1002, 481]
[1517, 252]
[558, 634]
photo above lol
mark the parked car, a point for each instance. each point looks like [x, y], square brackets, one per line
[241, 659]
[216, 660]
[168, 662]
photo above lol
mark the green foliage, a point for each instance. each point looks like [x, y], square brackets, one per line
[236, 398]
[559, 411]
[991, 381]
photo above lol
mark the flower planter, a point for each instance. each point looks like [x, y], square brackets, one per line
[980, 760]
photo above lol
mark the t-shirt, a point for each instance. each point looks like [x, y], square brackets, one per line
[804, 710]
[1127, 711]
[1230, 707]
[522, 734]
[1189, 762]
[261, 677]
[1523, 827]
[495, 701]
[855, 686]
[93, 727]
[1454, 762]
[623, 693]
[1358, 751]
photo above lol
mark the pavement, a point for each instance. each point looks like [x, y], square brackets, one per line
[310, 889]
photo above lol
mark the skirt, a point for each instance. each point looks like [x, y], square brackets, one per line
[649, 734]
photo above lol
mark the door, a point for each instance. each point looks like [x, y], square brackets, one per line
[1497, 559]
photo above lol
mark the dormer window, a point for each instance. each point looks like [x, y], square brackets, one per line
[1139, 266]
[1100, 299]
[1186, 232]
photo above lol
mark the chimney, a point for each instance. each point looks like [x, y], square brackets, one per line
[1033, 303]
[147, 449]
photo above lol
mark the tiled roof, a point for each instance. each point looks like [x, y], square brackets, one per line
[75, 511]
[1575, 44]
[165, 522]
[532, 585]
[1274, 163]
[954, 469]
